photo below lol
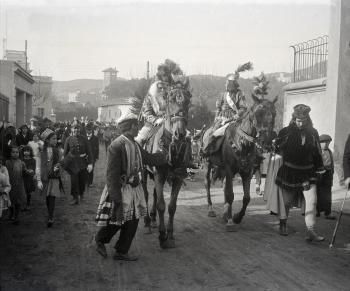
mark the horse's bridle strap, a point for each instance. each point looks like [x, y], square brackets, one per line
[247, 137]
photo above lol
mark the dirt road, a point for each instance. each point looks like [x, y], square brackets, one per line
[33, 257]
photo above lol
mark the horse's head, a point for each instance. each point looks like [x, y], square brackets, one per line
[264, 113]
[178, 101]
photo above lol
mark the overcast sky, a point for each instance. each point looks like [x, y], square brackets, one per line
[78, 39]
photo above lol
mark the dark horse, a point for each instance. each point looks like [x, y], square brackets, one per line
[171, 140]
[238, 154]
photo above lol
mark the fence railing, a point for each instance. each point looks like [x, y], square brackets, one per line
[310, 59]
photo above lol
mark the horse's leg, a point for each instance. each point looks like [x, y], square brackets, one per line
[175, 189]
[159, 180]
[246, 178]
[229, 196]
[153, 213]
[207, 182]
[147, 219]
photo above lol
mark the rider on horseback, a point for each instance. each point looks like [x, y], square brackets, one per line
[154, 105]
[230, 107]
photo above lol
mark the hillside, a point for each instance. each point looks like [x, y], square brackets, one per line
[205, 88]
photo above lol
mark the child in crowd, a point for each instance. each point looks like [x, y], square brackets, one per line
[29, 181]
[325, 181]
[5, 187]
[36, 144]
[48, 172]
[17, 170]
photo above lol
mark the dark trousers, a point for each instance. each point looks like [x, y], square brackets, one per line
[127, 234]
[90, 176]
[324, 193]
[78, 183]
[50, 204]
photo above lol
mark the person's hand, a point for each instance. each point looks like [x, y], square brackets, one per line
[89, 168]
[321, 172]
[159, 121]
[347, 182]
[40, 185]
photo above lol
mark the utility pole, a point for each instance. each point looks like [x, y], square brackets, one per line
[26, 55]
[147, 74]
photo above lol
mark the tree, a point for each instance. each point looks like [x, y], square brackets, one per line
[139, 95]
[200, 115]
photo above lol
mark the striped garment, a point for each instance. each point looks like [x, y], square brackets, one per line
[133, 198]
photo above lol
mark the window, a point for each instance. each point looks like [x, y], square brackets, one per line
[4, 108]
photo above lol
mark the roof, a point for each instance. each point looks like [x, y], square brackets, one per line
[110, 70]
[117, 101]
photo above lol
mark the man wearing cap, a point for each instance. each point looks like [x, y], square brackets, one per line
[24, 136]
[84, 161]
[122, 202]
[92, 140]
[298, 143]
[325, 181]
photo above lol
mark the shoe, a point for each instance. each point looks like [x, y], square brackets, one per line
[283, 227]
[101, 249]
[330, 217]
[313, 236]
[91, 185]
[124, 257]
[74, 202]
[50, 223]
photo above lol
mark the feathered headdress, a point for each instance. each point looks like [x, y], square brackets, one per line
[169, 68]
[261, 85]
[242, 68]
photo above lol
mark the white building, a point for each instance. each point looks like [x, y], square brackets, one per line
[73, 97]
[112, 110]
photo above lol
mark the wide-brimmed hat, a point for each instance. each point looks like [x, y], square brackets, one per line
[325, 138]
[301, 111]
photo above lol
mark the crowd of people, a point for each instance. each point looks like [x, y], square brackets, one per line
[33, 156]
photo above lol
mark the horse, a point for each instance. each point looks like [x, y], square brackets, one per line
[238, 155]
[171, 140]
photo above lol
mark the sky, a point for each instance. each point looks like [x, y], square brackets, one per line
[78, 39]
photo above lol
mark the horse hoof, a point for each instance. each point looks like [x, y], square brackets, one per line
[154, 224]
[237, 218]
[211, 213]
[167, 244]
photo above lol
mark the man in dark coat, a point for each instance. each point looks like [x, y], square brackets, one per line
[92, 140]
[122, 202]
[84, 161]
[346, 163]
[24, 136]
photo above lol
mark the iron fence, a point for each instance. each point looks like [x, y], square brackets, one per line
[310, 59]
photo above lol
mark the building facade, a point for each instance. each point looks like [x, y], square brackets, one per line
[42, 98]
[110, 112]
[16, 93]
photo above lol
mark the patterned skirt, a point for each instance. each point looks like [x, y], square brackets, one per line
[133, 206]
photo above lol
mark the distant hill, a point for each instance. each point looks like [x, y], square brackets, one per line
[205, 88]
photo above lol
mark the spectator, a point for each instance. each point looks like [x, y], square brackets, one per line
[17, 170]
[29, 181]
[5, 187]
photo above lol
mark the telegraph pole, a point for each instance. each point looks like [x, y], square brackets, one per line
[147, 74]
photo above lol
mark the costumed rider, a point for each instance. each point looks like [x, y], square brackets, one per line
[154, 104]
[230, 107]
[122, 202]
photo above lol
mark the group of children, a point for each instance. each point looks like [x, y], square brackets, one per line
[32, 167]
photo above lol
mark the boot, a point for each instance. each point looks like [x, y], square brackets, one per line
[313, 236]
[283, 227]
